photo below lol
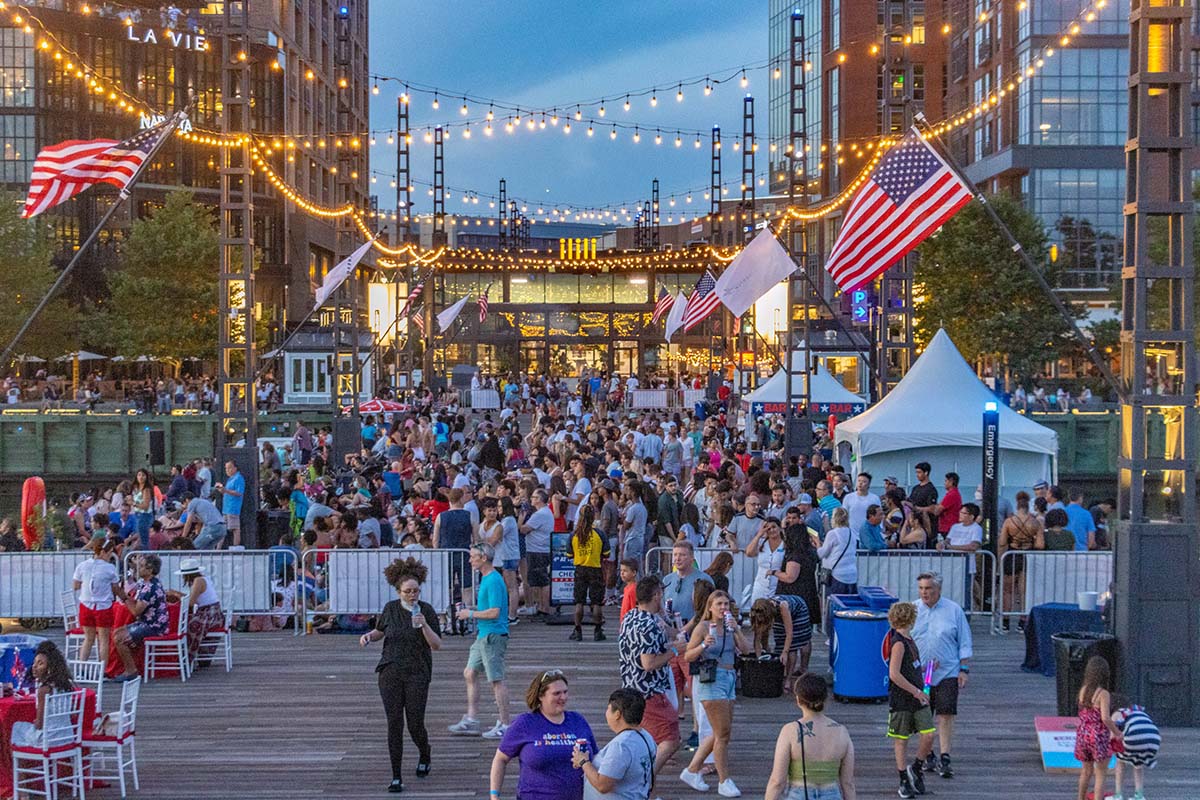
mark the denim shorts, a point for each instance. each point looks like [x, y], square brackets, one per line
[723, 688]
[814, 793]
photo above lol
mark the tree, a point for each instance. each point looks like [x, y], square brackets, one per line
[25, 276]
[980, 291]
[164, 297]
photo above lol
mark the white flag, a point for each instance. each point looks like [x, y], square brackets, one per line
[447, 317]
[675, 318]
[343, 270]
[761, 265]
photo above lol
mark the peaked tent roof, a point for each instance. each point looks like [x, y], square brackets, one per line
[826, 389]
[939, 403]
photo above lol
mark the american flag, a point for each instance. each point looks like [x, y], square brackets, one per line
[419, 319]
[412, 298]
[662, 306]
[483, 306]
[63, 170]
[911, 193]
[702, 301]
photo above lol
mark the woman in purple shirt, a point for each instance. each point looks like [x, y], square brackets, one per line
[543, 740]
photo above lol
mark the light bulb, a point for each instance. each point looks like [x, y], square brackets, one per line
[653, 100]
[707, 88]
[590, 131]
[626, 102]
[658, 138]
[374, 89]
[637, 136]
[464, 109]
[679, 94]
[745, 80]
[578, 113]
[436, 104]
[613, 133]
[600, 111]
[678, 141]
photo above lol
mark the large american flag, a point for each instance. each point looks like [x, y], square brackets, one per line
[419, 319]
[662, 305]
[412, 298]
[63, 170]
[911, 193]
[483, 306]
[702, 302]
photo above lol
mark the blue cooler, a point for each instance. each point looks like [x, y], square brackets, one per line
[855, 652]
[16, 656]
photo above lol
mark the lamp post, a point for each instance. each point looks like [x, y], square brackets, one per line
[991, 474]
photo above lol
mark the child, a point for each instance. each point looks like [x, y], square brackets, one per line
[1096, 731]
[629, 576]
[908, 705]
[1138, 746]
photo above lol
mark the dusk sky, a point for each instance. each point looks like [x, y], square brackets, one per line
[542, 54]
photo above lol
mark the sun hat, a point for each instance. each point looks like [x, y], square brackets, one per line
[190, 566]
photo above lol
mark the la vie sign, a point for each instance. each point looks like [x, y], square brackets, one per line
[180, 39]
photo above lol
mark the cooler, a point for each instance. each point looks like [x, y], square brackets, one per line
[859, 625]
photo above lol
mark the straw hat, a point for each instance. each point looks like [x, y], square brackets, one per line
[190, 566]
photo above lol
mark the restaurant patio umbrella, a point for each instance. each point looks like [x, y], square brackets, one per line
[378, 406]
[24, 359]
[81, 355]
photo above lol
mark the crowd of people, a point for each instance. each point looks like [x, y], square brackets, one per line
[634, 495]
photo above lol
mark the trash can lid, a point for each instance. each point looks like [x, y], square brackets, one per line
[1081, 636]
[859, 614]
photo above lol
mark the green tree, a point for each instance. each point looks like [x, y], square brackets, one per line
[164, 296]
[980, 291]
[25, 276]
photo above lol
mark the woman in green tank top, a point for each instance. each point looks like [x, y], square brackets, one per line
[814, 757]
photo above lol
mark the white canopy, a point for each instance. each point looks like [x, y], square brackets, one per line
[828, 395]
[935, 414]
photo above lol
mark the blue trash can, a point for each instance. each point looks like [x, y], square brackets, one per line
[16, 656]
[859, 625]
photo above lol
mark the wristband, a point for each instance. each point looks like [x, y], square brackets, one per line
[471, 615]
[964, 668]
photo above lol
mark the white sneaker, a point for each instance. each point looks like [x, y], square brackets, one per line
[694, 780]
[526, 611]
[728, 788]
[496, 731]
[465, 727]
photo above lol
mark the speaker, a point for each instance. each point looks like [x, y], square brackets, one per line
[157, 447]
[347, 438]
[801, 436]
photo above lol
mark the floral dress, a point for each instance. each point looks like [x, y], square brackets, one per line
[1092, 740]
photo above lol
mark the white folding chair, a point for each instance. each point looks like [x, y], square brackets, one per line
[218, 644]
[62, 741]
[72, 631]
[168, 650]
[115, 751]
[90, 675]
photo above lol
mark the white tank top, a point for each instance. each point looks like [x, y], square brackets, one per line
[208, 596]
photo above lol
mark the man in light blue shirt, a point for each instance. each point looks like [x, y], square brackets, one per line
[943, 636]
[231, 502]
[650, 447]
[1080, 522]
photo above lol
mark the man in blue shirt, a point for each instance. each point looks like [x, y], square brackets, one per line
[943, 636]
[231, 504]
[1080, 522]
[490, 646]
[870, 533]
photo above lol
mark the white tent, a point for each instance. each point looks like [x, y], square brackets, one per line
[828, 395]
[935, 414]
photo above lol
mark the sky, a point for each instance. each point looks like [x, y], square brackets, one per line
[540, 54]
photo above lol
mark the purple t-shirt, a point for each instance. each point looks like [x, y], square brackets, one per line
[545, 753]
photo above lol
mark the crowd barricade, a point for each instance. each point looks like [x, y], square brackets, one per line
[741, 575]
[244, 580]
[483, 399]
[1031, 578]
[648, 398]
[32, 583]
[688, 398]
[353, 581]
[897, 570]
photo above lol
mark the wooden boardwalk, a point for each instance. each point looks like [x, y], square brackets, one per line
[300, 717]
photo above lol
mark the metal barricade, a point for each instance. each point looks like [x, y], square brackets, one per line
[244, 580]
[1030, 578]
[31, 584]
[354, 581]
[688, 398]
[741, 574]
[647, 399]
[897, 571]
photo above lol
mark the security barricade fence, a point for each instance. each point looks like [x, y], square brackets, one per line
[741, 574]
[244, 580]
[32, 583]
[351, 581]
[897, 571]
[1031, 578]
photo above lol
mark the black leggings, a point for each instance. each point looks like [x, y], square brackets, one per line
[404, 697]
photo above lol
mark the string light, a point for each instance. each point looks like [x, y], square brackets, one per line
[436, 104]
[679, 94]
[626, 102]
[464, 110]
[745, 80]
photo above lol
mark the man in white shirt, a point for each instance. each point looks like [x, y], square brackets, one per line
[580, 492]
[538, 527]
[965, 536]
[943, 636]
[858, 501]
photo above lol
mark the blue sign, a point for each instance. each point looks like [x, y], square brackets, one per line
[860, 303]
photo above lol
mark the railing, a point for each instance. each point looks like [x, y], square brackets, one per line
[1031, 578]
[897, 571]
[31, 584]
[480, 399]
[741, 575]
[354, 581]
[244, 580]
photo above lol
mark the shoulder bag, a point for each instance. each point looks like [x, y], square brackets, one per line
[827, 574]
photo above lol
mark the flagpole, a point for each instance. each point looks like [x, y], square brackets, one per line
[122, 196]
[1088, 346]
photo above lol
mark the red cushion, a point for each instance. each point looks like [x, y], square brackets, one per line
[38, 751]
[170, 637]
[96, 737]
[75, 632]
[216, 630]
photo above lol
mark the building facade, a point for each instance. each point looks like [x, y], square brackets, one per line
[156, 57]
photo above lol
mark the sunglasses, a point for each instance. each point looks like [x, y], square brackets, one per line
[552, 675]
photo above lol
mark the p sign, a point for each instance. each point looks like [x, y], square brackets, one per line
[860, 307]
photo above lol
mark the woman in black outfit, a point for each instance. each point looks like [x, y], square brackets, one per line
[410, 633]
[799, 548]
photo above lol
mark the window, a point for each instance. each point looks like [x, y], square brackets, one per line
[1081, 209]
[1080, 99]
[16, 69]
[835, 24]
[918, 27]
[918, 83]
[19, 148]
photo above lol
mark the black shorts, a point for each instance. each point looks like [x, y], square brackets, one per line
[943, 698]
[537, 573]
[589, 586]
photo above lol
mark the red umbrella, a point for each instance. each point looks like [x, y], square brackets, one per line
[378, 406]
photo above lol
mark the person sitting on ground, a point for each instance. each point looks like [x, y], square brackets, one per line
[148, 605]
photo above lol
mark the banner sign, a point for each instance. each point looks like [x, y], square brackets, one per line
[562, 570]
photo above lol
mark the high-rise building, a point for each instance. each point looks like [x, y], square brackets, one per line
[1057, 140]
[154, 55]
